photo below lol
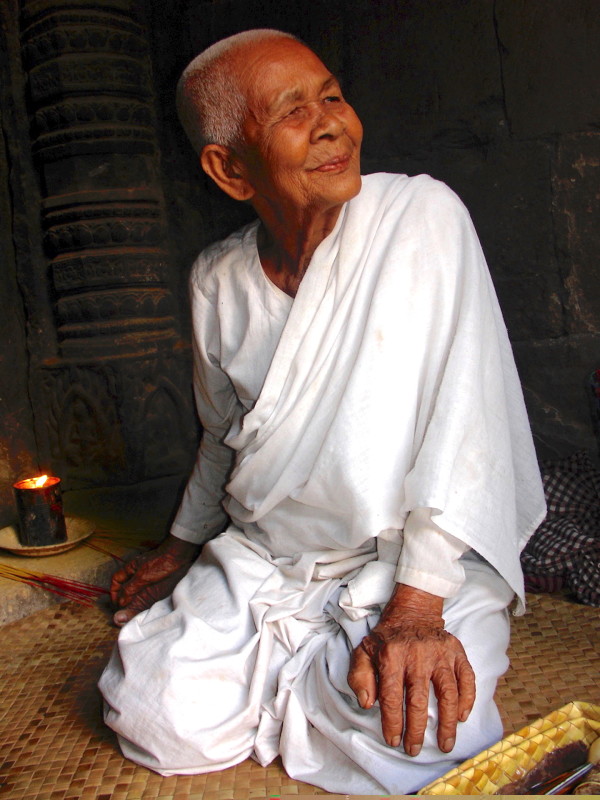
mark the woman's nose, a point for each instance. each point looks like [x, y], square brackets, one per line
[327, 124]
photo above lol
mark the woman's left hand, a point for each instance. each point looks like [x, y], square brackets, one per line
[397, 661]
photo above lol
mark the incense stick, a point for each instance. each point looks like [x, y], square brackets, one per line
[79, 591]
[84, 593]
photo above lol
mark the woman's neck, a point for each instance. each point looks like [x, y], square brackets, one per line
[285, 250]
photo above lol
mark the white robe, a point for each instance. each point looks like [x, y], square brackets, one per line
[392, 388]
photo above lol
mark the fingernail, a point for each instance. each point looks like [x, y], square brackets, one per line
[396, 741]
[414, 750]
[448, 744]
[464, 716]
[121, 617]
[363, 697]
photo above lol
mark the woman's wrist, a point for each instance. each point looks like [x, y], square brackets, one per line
[180, 548]
[412, 607]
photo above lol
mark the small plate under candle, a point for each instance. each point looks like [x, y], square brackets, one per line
[78, 530]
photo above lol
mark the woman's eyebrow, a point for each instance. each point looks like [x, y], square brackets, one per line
[332, 80]
[284, 98]
[294, 95]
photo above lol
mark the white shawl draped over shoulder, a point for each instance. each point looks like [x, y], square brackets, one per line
[393, 387]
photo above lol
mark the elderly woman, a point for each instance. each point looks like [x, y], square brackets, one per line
[366, 476]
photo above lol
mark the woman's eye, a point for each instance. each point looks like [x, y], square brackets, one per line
[333, 98]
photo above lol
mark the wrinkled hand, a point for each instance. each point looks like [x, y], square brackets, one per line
[150, 577]
[406, 651]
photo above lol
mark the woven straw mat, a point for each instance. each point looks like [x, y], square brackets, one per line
[55, 747]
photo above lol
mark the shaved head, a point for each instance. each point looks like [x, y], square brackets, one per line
[210, 102]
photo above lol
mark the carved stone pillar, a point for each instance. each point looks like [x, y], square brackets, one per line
[112, 389]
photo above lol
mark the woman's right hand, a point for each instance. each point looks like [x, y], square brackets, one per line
[150, 577]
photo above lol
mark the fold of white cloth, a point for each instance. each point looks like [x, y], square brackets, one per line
[249, 657]
[393, 387]
[390, 390]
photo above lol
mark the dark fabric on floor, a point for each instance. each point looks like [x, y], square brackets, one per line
[564, 552]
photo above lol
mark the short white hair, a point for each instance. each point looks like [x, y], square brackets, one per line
[210, 102]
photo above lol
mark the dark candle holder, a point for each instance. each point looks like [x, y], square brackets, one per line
[41, 518]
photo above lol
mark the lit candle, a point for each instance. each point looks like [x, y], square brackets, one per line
[41, 518]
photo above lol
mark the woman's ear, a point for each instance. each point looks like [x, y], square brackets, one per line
[226, 170]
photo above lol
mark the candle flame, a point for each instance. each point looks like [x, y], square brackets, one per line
[34, 483]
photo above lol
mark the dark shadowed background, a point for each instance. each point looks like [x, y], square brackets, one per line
[103, 206]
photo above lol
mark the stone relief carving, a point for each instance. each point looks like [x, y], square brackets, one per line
[91, 33]
[75, 142]
[102, 203]
[156, 399]
[74, 74]
[81, 235]
[131, 305]
[90, 270]
[83, 421]
[90, 405]
[91, 111]
[119, 402]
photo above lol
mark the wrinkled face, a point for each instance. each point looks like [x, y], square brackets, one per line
[303, 140]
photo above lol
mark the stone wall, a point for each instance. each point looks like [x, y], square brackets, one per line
[498, 98]
[18, 237]
[103, 205]
[96, 374]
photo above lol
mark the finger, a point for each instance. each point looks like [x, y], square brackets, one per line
[139, 603]
[467, 691]
[152, 582]
[131, 589]
[149, 569]
[122, 576]
[123, 616]
[115, 587]
[362, 679]
[117, 580]
[144, 575]
[446, 691]
[417, 707]
[143, 600]
[391, 697]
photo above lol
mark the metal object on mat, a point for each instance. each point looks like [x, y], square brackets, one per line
[515, 755]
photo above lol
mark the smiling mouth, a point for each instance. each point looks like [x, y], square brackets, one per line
[337, 164]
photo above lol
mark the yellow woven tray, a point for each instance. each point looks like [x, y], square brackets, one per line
[512, 757]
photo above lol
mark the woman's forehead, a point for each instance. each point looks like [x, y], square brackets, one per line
[278, 71]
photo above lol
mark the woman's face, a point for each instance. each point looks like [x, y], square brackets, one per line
[302, 151]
